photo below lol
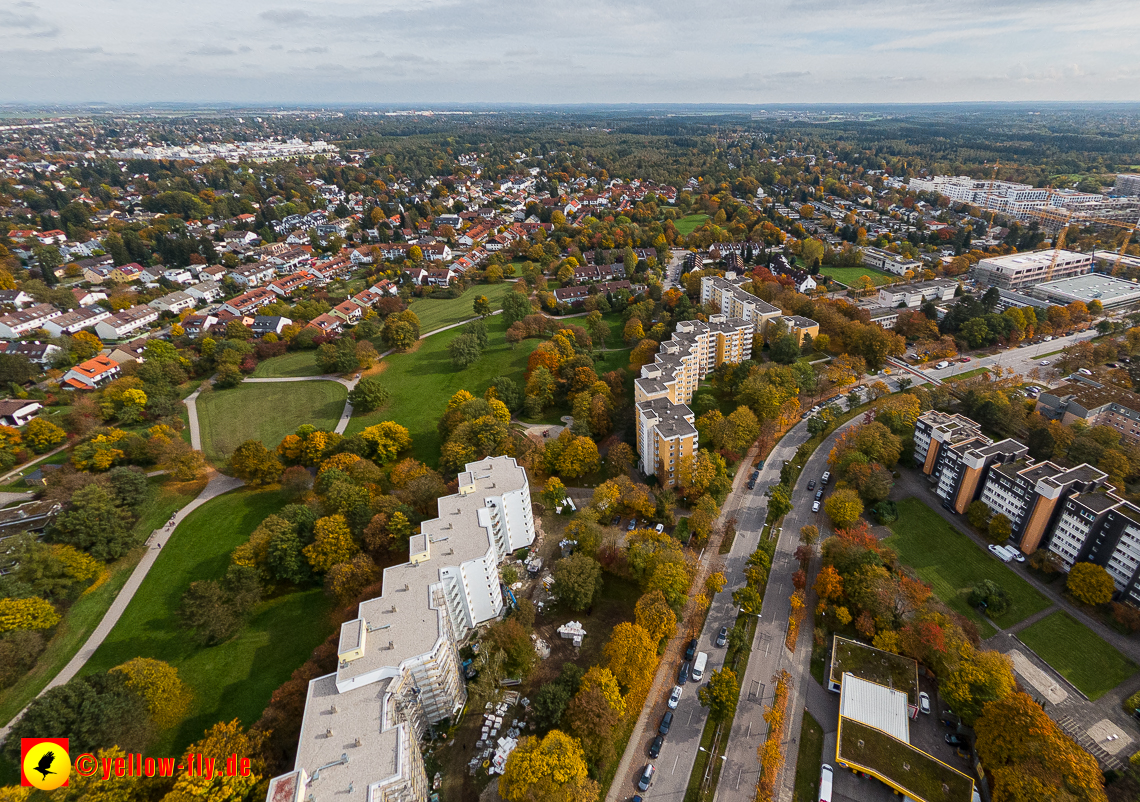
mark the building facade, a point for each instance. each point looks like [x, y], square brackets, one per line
[1017, 271]
[399, 670]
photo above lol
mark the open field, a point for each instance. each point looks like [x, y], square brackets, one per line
[1078, 654]
[435, 314]
[690, 223]
[88, 610]
[265, 412]
[809, 760]
[850, 275]
[297, 363]
[953, 564]
[236, 678]
[422, 381]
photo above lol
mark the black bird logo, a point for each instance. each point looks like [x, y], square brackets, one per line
[44, 766]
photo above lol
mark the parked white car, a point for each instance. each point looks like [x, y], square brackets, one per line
[675, 697]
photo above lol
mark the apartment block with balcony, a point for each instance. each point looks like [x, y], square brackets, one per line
[734, 302]
[399, 670]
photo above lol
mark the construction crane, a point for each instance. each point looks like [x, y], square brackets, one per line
[1124, 245]
[1058, 244]
[990, 192]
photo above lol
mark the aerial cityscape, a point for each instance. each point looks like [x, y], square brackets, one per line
[376, 426]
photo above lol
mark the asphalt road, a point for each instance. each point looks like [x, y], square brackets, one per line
[1020, 360]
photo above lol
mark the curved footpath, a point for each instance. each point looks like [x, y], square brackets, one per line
[217, 485]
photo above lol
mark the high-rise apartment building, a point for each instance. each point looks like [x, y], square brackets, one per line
[399, 670]
[733, 302]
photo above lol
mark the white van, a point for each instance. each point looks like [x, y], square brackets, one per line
[698, 672]
[826, 776]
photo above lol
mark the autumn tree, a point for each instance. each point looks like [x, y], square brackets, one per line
[653, 613]
[631, 655]
[254, 463]
[221, 741]
[553, 770]
[1090, 584]
[979, 678]
[42, 435]
[843, 508]
[167, 696]
[332, 543]
[592, 720]
[720, 694]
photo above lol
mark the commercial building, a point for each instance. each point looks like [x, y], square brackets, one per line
[1022, 201]
[889, 262]
[915, 295]
[399, 670]
[666, 433]
[1072, 512]
[874, 726]
[1111, 291]
[1093, 403]
[1024, 270]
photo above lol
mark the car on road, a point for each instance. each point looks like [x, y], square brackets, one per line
[760, 464]
[655, 747]
[815, 506]
[683, 673]
[675, 697]
[811, 485]
[964, 359]
[646, 777]
[722, 636]
[941, 365]
[666, 722]
[823, 480]
[755, 475]
[956, 740]
[691, 649]
[1043, 362]
[819, 494]
[924, 702]
[751, 484]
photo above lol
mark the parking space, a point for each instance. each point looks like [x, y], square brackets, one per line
[928, 732]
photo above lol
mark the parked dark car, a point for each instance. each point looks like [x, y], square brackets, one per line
[616, 521]
[666, 722]
[632, 524]
[755, 475]
[951, 722]
[819, 495]
[811, 485]
[655, 747]
[691, 649]
[751, 484]
[683, 674]
[956, 740]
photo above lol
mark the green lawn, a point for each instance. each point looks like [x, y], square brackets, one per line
[297, 363]
[850, 275]
[810, 760]
[690, 223]
[435, 314]
[952, 563]
[88, 610]
[236, 678]
[422, 381]
[265, 412]
[1078, 654]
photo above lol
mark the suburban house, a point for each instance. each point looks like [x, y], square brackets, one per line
[576, 295]
[196, 325]
[288, 285]
[329, 324]
[269, 324]
[174, 302]
[249, 302]
[36, 352]
[126, 323]
[179, 275]
[16, 412]
[16, 298]
[88, 297]
[17, 324]
[76, 320]
[348, 311]
[205, 291]
[253, 275]
[92, 374]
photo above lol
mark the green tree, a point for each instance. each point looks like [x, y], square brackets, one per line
[577, 580]
[368, 394]
[464, 351]
[516, 306]
[95, 523]
[978, 514]
[482, 306]
[1000, 528]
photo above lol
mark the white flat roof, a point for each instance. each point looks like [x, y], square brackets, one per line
[876, 706]
[1092, 286]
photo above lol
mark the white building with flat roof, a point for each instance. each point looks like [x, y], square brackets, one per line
[399, 670]
[1017, 270]
[1109, 290]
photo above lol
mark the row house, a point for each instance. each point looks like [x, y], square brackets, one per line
[178, 275]
[126, 323]
[399, 671]
[390, 251]
[436, 252]
[249, 302]
[289, 259]
[440, 277]
[327, 324]
[76, 320]
[589, 272]
[16, 298]
[269, 324]
[36, 352]
[92, 374]
[288, 286]
[16, 412]
[339, 267]
[205, 291]
[16, 324]
[576, 295]
[348, 311]
[367, 297]
[174, 302]
[254, 275]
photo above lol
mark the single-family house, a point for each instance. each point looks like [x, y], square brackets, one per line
[269, 324]
[174, 302]
[205, 291]
[249, 302]
[179, 275]
[16, 412]
[16, 298]
[131, 351]
[92, 374]
[329, 324]
[196, 325]
[88, 297]
[125, 274]
[348, 311]
[253, 275]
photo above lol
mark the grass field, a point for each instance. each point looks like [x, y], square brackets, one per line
[969, 374]
[435, 314]
[1078, 654]
[265, 412]
[422, 381]
[88, 610]
[690, 223]
[953, 564]
[233, 679]
[297, 363]
[850, 275]
[809, 760]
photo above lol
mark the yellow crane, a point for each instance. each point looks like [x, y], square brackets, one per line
[1058, 244]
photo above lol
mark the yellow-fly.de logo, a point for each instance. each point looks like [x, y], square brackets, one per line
[44, 763]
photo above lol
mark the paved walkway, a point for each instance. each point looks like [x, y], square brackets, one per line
[20, 468]
[217, 485]
[191, 402]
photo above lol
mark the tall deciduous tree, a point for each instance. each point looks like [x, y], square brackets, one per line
[552, 770]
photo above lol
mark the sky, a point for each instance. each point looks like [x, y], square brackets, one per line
[576, 51]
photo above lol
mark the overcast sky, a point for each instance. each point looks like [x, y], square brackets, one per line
[573, 51]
